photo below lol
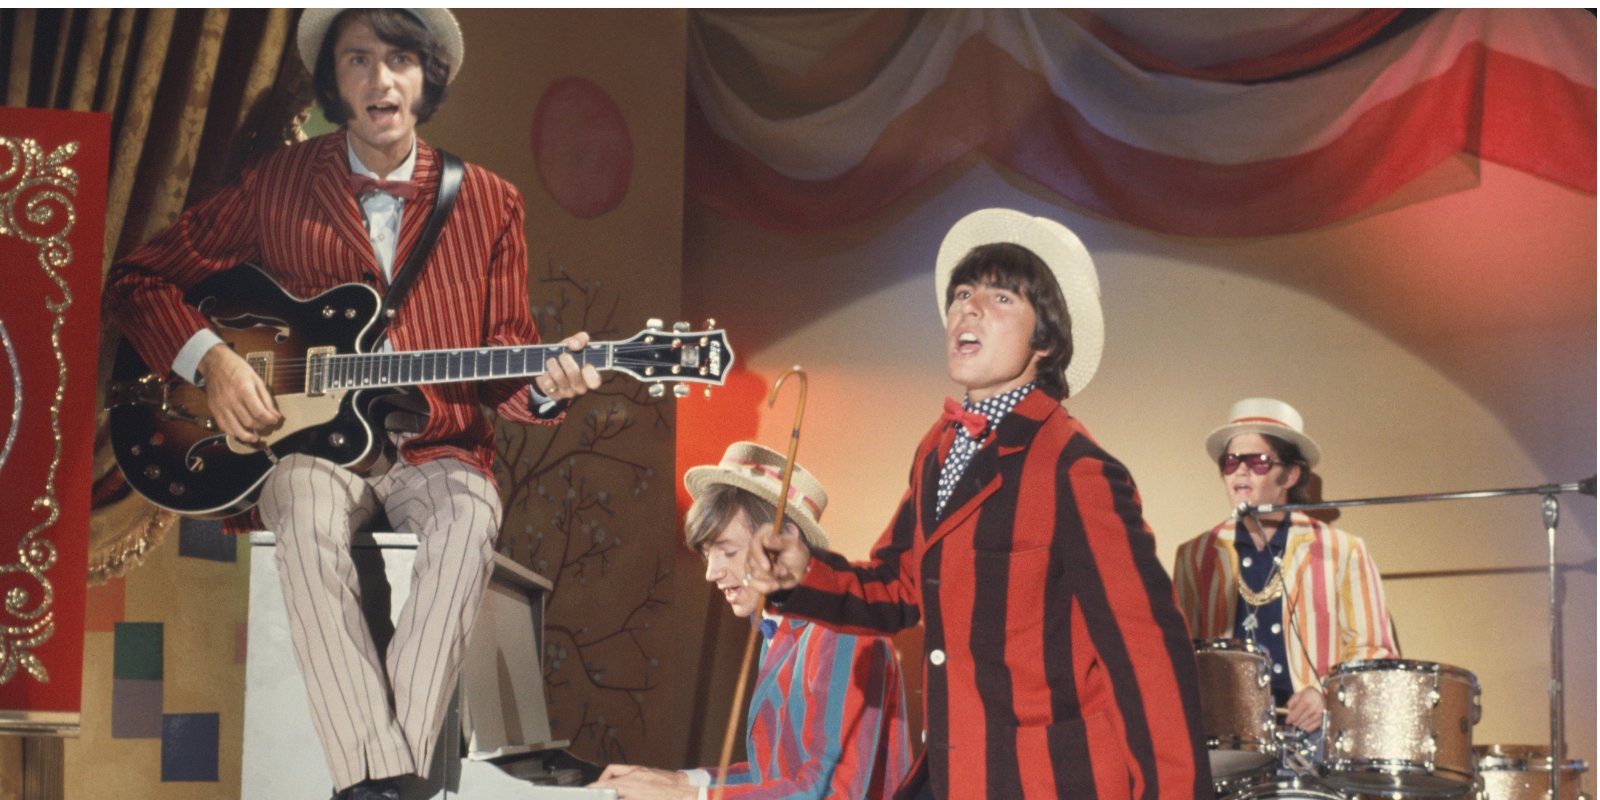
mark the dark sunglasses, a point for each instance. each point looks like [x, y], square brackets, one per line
[1259, 463]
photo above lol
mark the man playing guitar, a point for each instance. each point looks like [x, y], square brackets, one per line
[350, 207]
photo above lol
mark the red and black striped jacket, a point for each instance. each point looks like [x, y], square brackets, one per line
[295, 216]
[1056, 661]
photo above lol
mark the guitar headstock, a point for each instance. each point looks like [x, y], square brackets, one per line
[659, 356]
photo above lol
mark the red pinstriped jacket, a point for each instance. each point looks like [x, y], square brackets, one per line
[294, 215]
[1056, 663]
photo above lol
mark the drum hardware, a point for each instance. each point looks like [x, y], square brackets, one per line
[1551, 514]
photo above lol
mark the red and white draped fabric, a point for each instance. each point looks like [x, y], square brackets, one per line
[1196, 123]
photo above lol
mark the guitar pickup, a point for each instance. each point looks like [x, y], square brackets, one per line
[317, 362]
[260, 362]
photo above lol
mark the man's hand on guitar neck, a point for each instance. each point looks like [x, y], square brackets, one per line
[238, 398]
[563, 378]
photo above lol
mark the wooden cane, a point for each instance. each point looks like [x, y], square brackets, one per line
[772, 556]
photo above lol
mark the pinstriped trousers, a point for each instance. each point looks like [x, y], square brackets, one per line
[378, 714]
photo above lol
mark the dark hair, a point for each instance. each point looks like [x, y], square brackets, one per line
[1017, 269]
[1289, 453]
[393, 27]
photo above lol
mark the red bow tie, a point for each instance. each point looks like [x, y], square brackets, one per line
[974, 422]
[361, 184]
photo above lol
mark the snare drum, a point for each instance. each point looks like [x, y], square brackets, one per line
[1400, 726]
[1522, 772]
[1236, 710]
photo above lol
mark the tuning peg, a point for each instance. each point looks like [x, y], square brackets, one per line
[680, 327]
[680, 390]
[708, 391]
[653, 324]
[710, 323]
[657, 390]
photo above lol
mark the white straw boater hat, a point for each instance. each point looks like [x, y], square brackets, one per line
[1061, 251]
[314, 23]
[759, 471]
[1267, 416]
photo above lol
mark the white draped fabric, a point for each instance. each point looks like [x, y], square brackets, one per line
[1206, 123]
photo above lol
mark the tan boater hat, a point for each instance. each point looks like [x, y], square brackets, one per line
[1061, 251]
[759, 471]
[314, 24]
[1266, 416]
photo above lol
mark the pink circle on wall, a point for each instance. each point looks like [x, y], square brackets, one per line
[581, 147]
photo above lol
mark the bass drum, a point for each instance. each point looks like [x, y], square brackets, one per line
[1522, 772]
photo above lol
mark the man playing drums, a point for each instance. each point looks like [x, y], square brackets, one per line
[1306, 592]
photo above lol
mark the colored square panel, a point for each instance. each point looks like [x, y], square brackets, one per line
[136, 652]
[203, 538]
[189, 747]
[136, 709]
[103, 606]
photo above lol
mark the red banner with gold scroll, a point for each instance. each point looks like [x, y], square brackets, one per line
[53, 172]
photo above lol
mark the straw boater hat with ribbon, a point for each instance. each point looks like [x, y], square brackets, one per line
[759, 471]
[1061, 251]
[314, 24]
[1267, 416]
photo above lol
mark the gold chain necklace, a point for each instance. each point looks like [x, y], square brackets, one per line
[1272, 591]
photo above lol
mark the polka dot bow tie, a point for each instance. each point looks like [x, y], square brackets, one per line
[974, 422]
[361, 184]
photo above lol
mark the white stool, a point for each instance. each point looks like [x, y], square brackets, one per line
[501, 688]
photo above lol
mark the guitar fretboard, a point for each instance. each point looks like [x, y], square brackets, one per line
[412, 368]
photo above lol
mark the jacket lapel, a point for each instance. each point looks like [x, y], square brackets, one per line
[331, 195]
[982, 477]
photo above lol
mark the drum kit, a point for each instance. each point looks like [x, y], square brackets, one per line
[1392, 728]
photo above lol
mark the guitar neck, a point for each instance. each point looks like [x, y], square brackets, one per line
[417, 367]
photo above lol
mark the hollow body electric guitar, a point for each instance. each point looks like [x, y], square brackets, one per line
[316, 358]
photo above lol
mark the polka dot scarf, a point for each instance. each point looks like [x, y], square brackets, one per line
[964, 446]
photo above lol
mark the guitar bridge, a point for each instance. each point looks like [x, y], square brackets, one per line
[318, 360]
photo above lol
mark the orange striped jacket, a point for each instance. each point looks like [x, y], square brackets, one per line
[1333, 603]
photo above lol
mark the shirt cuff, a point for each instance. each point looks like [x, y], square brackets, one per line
[698, 777]
[187, 364]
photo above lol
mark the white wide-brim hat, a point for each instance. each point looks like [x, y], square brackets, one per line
[1061, 251]
[314, 24]
[759, 471]
[1267, 416]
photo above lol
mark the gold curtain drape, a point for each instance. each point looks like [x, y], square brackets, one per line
[193, 95]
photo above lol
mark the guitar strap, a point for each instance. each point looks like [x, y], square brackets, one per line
[407, 411]
[451, 171]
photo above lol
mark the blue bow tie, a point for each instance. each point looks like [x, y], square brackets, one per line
[769, 627]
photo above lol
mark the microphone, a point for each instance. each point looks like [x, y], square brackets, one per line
[1587, 486]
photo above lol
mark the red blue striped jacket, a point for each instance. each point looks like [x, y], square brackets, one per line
[827, 719]
[1056, 661]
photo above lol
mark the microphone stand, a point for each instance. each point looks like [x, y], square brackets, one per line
[1551, 514]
